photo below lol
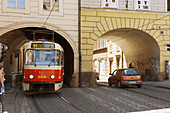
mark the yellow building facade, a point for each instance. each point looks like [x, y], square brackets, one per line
[140, 35]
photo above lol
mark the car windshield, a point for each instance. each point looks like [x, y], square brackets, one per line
[130, 72]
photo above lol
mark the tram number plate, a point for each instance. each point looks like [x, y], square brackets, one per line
[132, 81]
[42, 76]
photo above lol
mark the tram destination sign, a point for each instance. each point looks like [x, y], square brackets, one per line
[42, 45]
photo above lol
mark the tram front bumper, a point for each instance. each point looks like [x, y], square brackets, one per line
[25, 86]
[44, 85]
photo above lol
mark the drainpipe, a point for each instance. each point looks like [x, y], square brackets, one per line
[18, 60]
[79, 35]
[126, 4]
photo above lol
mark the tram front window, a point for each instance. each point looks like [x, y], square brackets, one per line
[43, 57]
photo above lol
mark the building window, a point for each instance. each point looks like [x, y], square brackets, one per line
[16, 4]
[48, 5]
[168, 5]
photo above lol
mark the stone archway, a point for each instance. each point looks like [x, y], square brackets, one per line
[36, 24]
[8, 36]
[95, 23]
[140, 49]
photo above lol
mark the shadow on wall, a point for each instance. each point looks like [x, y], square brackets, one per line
[150, 70]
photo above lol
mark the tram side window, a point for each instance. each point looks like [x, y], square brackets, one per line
[58, 57]
[62, 58]
[26, 58]
[30, 59]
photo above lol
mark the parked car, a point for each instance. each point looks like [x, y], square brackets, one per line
[125, 77]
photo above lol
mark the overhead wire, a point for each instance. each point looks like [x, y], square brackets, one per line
[50, 13]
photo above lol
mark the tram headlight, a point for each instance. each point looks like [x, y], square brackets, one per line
[52, 76]
[31, 76]
[59, 77]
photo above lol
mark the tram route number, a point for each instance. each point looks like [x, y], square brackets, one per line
[42, 76]
[42, 45]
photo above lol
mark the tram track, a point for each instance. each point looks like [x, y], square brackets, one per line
[144, 93]
[158, 86]
[43, 103]
[17, 99]
[70, 103]
[150, 88]
[36, 105]
[19, 102]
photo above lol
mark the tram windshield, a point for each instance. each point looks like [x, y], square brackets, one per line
[43, 57]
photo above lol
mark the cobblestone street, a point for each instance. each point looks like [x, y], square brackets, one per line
[93, 99]
[85, 56]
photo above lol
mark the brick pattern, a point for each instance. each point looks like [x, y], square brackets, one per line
[101, 22]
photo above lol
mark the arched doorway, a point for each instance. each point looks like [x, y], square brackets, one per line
[15, 37]
[140, 49]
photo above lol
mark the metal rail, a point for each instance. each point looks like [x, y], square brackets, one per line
[105, 84]
[15, 99]
[148, 95]
[70, 103]
[36, 105]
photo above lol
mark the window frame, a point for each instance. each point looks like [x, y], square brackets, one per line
[31, 57]
[16, 10]
[16, 3]
[46, 12]
[114, 72]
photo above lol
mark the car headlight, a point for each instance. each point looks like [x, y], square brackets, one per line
[31, 76]
[59, 77]
[52, 76]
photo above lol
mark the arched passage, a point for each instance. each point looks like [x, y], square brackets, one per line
[139, 48]
[96, 24]
[13, 36]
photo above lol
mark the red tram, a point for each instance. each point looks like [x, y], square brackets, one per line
[43, 66]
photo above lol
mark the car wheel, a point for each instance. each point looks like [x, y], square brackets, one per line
[110, 84]
[119, 85]
[139, 86]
